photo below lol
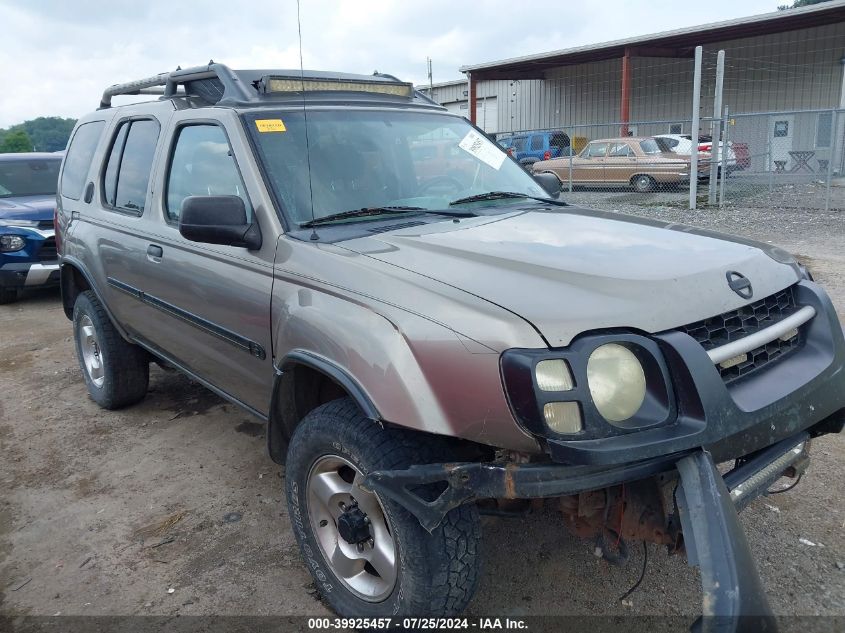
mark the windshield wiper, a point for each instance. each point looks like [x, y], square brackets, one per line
[358, 213]
[502, 195]
[370, 211]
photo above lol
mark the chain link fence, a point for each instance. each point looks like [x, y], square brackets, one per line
[788, 159]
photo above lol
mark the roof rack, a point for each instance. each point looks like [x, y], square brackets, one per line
[219, 84]
[230, 85]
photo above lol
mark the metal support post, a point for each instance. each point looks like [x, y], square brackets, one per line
[716, 146]
[726, 140]
[696, 107]
[834, 125]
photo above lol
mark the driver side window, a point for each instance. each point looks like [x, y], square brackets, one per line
[202, 165]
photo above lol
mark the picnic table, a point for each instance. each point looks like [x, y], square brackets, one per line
[802, 160]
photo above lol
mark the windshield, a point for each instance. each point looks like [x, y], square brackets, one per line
[29, 177]
[375, 158]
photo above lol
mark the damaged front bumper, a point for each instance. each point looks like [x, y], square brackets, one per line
[707, 506]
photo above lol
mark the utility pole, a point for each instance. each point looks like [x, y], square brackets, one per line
[430, 79]
[696, 106]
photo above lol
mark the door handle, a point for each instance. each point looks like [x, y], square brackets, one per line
[154, 253]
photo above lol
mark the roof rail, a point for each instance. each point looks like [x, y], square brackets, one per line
[233, 88]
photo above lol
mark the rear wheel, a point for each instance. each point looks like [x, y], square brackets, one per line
[368, 555]
[116, 372]
[643, 183]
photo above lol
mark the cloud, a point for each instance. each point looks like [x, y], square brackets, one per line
[58, 56]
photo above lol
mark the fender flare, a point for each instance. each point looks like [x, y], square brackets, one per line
[276, 442]
[80, 267]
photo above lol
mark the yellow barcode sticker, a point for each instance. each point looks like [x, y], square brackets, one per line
[270, 125]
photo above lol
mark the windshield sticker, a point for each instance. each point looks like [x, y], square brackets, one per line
[270, 125]
[482, 149]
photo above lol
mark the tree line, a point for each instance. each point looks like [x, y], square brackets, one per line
[44, 134]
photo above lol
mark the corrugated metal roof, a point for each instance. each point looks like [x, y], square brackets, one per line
[685, 38]
[442, 84]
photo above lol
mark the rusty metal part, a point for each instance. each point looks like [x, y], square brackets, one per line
[633, 511]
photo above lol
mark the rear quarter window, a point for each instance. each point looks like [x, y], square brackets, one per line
[78, 158]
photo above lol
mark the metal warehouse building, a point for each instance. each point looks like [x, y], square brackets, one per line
[784, 62]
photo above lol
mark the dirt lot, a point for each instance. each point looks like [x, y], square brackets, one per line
[173, 507]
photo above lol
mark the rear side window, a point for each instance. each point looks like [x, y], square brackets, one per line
[651, 146]
[536, 142]
[559, 140]
[127, 175]
[110, 179]
[596, 150]
[78, 158]
[202, 165]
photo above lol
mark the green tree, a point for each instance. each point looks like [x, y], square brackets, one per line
[799, 3]
[14, 142]
[47, 134]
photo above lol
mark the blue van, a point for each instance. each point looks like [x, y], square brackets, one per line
[529, 147]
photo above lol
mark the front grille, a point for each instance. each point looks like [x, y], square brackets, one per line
[47, 252]
[737, 324]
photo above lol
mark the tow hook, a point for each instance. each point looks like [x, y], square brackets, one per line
[733, 599]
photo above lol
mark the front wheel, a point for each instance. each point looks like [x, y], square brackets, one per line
[368, 555]
[116, 372]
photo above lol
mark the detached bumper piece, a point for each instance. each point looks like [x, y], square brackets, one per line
[733, 597]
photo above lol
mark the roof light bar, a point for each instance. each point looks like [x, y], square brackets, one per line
[274, 84]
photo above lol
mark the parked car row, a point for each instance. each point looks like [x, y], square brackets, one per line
[644, 163]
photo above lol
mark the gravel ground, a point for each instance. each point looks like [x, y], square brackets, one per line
[172, 507]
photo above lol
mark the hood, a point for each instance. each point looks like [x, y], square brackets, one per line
[577, 270]
[35, 208]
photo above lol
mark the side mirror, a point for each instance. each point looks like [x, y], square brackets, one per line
[549, 182]
[218, 220]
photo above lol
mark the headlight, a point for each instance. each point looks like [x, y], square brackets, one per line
[11, 243]
[553, 375]
[616, 381]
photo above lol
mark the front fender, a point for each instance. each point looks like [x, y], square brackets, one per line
[406, 369]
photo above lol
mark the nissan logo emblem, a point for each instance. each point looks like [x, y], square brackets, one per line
[739, 284]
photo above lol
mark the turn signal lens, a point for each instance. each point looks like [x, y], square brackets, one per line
[563, 417]
[554, 375]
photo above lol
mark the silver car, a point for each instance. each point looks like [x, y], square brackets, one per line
[429, 332]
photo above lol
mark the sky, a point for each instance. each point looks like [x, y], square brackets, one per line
[57, 56]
